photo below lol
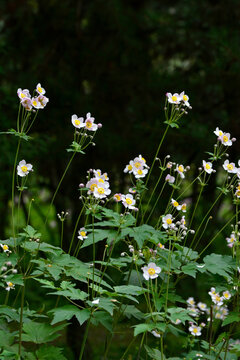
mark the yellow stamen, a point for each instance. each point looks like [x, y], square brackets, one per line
[92, 187]
[174, 98]
[77, 122]
[82, 233]
[169, 221]
[208, 166]
[129, 201]
[225, 138]
[151, 271]
[24, 168]
[5, 247]
[101, 190]
[185, 98]
[175, 203]
[88, 124]
[180, 168]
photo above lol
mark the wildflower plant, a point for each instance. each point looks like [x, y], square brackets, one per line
[134, 282]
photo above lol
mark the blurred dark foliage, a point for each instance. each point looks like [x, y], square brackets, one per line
[117, 59]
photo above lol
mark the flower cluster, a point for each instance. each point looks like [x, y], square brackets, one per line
[178, 99]
[217, 298]
[88, 123]
[98, 185]
[38, 102]
[138, 167]
[127, 200]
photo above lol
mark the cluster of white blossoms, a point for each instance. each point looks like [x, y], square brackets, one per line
[217, 298]
[177, 206]
[178, 99]
[38, 102]
[128, 200]
[219, 312]
[23, 168]
[224, 138]
[138, 167]
[180, 226]
[88, 123]
[231, 240]
[196, 309]
[99, 186]
[151, 271]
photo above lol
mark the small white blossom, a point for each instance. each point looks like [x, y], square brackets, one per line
[195, 330]
[151, 271]
[218, 132]
[225, 139]
[77, 122]
[175, 204]
[23, 168]
[5, 248]
[40, 89]
[96, 301]
[10, 286]
[170, 179]
[207, 167]
[128, 201]
[229, 167]
[174, 99]
[82, 234]
[89, 123]
[226, 295]
[167, 221]
[180, 169]
[156, 334]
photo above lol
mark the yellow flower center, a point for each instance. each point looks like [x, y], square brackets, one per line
[174, 98]
[92, 187]
[225, 138]
[184, 207]
[230, 167]
[169, 221]
[129, 201]
[101, 181]
[185, 97]
[220, 133]
[82, 233]
[195, 330]
[217, 298]
[180, 168]
[208, 166]
[118, 197]
[175, 203]
[151, 271]
[88, 124]
[99, 173]
[10, 284]
[139, 172]
[226, 295]
[40, 89]
[22, 95]
[232, 240]
[34, 103]
[77, 122]
[137, 164]
[143, 159]
[5, 247]
[24, 168]
[101, 190]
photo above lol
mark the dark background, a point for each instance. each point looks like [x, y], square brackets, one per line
[117, 59]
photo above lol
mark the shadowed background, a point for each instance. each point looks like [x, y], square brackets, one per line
[116, 59]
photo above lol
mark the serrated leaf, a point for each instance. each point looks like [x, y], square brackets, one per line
[218, 264]
[47, 352]
[179, 313]
[232, 317]
[141, 328]
[67, 312]
[40, 333]
[129, 290]
[99, 235]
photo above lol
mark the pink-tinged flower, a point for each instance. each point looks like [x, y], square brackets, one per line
[207, 167]
[184, 99]
[129, 167]
[140, 173]
[89, 123]
[218, 132]
[229, 167]
[10, 286]
[40, 90]
[77, 122]
[226, 295]
[27, 104]
[225, 139]
[43, 101]
[161, 246]
[170, 179]
[36, 103]
[151, 271]
[231, 240]
[156, 333]
[23, 94]
[23, 168]
[117, 197]
[101, 191]
[128, 201]
[180, 169]
[195, 330]
[174, 99]
[167, 221]
[184, 207]
[176, 204]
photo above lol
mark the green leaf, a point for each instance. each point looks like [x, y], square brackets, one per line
[218, 264]
[141, 328]
[132, 311]
[35, 247]
[47, 352]
[30, 232]
[129, 290]
[40, 333]
[67, 312]
[105, 304]
[232, 317]
[139, 233]
[72, 293]
[99, 235]
[103, 318]
[179, 313]
[16, 133]
[75, 147]
[190, 269]
[153, 353]
[9, 313]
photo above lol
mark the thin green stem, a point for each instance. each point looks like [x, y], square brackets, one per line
[13, 186]
[84, 339]
[21, 320]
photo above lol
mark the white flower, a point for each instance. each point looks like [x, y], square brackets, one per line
[5, 248]
[23, 94]
[226, 295]
[193, 311]
[191, 301]
[101, 191]
[167, 221]
[225, 139]
[156, 334]
[98, 174]
[27, 104]
[161, 246]
[217, 299]
[82, 234]
[185, 99]
[212, 291]
[129, 167]
[23, 168]
[177, 321]
[40, 89]
[202, 306]
[180, 169]
[229, 167]
[218, 132]
[184, 207]
[91, 184]
[43, 100]
[174, 99]
[207, 167]
[139, 163]
[151, 271]
[140, 173]
[96, 301]
[10, 286]
[77, 122]
[128, 201]
[195, 330]
[117, 197]
[89, 123]
[231, 240]
[170, 179]
[176, 205]
[36, 103]
[183, 221]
